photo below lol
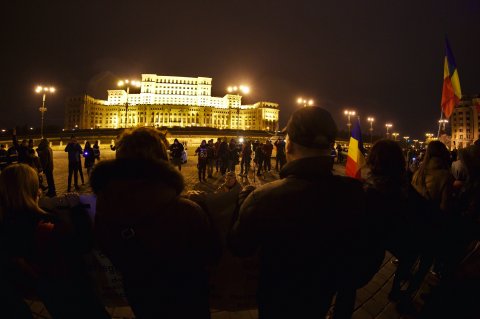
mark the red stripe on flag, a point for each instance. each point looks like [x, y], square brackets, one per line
[352, 169]
[449, 99]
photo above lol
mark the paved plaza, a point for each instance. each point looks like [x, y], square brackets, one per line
[371, 302]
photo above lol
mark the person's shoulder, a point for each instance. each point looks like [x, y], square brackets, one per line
[158, 171]
[190, 210]
[270, 190]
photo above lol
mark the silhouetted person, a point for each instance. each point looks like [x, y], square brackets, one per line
[74, 151]
[176, 152]
[161, 243]
[309, 249]
[45, 155]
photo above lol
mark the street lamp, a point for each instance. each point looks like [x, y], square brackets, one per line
[305, 102]
[428, 136]
[371, 120]
[441, 125]
[395, 136]
[127, 84]
[235, 90]
[349, 113]
[388, 126]
[43, 90]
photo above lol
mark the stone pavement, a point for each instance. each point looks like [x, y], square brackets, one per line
[371, 302]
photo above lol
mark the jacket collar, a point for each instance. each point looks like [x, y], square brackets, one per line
[308, 168]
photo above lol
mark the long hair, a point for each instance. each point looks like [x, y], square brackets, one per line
[18, 190]
[435, 149]
[387, 165]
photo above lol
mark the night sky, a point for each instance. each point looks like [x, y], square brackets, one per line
[381, 58]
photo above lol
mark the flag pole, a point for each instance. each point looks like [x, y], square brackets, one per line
[439, 124]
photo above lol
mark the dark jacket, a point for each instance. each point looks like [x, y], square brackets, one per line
[45, 155]
[310, 248]
[160, 242]
[74, 150]
[202, 152]
[89, 157]
[403, 221]
[176, 150]
[22, 150]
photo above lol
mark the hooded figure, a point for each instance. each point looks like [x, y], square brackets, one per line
[160, 243]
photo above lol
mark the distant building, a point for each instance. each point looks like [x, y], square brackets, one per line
[170, 101]
[465, 122]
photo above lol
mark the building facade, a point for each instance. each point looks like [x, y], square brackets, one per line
[465, 122]
[168, 101]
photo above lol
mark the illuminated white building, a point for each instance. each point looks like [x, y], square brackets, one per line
[465, 122]
[167, 101]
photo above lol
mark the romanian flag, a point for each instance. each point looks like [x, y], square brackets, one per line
[355, 157]
[451, 93]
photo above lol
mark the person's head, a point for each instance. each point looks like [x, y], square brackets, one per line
[204, 142]
[230, 179]
[470, 156]
[43, 143]
[175, 141]
[96, 142]
[310, 132]
[386, 160]
[73, 139]
[210, 142]
[438, 150]
[19, 190]
[24, 143]
[87, 144]
[142, 143]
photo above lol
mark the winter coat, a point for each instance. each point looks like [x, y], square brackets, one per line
[89, 157]
[267, 149]
[202, 152]
[74, 150]
[160, 242]
[176, 150]
[22, 151]
[438, 184]
[46, 155]
[309, 247]
[403, 221]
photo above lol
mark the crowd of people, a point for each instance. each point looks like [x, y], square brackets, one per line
[169, 244]
[41, 160]
[224, 156]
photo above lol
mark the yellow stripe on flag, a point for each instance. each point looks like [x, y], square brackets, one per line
[456, 84]
[353, 150]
